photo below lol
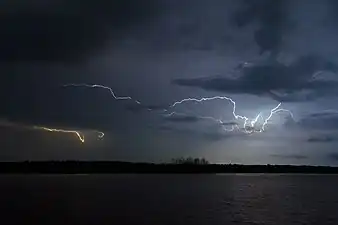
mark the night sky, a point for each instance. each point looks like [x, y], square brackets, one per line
[258, 53]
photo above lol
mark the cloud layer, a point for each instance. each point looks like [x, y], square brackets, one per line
[294, 82]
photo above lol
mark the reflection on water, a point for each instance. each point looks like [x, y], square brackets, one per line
[169, 199]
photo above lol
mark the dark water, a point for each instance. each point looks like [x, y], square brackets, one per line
[169, 199]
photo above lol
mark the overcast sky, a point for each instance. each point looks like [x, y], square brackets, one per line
[258, 53]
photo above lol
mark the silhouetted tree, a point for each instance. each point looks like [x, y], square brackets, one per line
[190, 161]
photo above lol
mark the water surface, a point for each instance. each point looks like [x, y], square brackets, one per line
[169, 199]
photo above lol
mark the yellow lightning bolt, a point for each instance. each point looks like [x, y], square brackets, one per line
[77, 133]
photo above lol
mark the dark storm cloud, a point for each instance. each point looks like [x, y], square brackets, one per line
[37, 37]
[70, 30]
[66, 30]
[294, 82]
[290, 156]
[290, 25]
[272, 19]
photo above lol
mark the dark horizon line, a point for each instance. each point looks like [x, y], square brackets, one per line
[116, 167]
[157, 163]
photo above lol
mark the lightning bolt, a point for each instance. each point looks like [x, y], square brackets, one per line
[272, 112]
[270, 115]
[214, 98]
[236, 116]
[254, 121]
[103, 87]
[78, 134]
[248, 123]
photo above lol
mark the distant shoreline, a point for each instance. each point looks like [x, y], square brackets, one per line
[116, 167]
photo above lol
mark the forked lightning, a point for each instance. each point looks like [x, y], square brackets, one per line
[248, 124]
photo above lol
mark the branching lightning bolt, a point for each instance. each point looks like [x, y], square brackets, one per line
[236, 116]
[248, 124]
[219, 98]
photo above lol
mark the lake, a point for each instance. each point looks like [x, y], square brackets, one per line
[169, 199]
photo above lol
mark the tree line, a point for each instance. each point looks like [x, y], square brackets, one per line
[190, 161]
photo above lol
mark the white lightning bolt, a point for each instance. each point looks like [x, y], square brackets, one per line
[273, 111]
[236, 116]
[103, 87]
[254, 121]
[246, 119]
[213, 98]
[270, 115]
